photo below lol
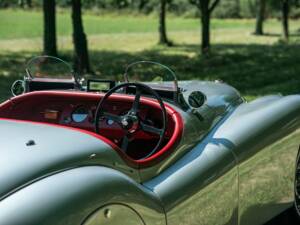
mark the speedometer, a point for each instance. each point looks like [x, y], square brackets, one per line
[80, 114]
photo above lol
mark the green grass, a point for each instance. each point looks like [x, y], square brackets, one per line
[29, 24]
[254, 65]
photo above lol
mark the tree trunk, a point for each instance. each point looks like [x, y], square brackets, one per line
[285, 19]
[205, 24]
[142, 4]
[49, 28]
[206, 8]
[260, 16]
[29, 3]
[21, 3]
[79, 38]
[163, 39]
[238, 8]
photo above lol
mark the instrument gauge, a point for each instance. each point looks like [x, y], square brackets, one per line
[80, 114]
[110, 122]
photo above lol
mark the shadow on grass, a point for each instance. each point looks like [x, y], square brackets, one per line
[252, 69]
[280, 35]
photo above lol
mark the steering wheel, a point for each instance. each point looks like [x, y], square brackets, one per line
[131, 122]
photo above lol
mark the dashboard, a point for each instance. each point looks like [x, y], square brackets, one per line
[78, 111]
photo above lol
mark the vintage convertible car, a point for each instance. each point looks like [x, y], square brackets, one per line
[148, 150]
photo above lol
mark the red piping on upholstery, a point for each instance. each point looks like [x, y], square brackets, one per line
[89, 96]
[152, 160]
[5, 106]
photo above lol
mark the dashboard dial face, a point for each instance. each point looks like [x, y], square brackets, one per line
[80, 114]
[110, 122]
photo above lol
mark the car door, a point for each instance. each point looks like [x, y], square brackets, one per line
[202, 187]
[266, 136]
[267, 180]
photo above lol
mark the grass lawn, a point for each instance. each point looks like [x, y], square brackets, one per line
[29, 24]
[254, 65]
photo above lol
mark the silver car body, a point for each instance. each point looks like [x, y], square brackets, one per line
[235, 164]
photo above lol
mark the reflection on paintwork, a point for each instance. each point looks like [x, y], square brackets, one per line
[267, 181]
[202, 187]
[213, 204]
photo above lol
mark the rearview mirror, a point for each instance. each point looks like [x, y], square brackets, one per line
[18, 88]
[196, 99]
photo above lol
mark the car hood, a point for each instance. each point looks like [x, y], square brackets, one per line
[30, 151]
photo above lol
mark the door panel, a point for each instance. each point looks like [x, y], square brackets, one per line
[267, 181]
[202, 187]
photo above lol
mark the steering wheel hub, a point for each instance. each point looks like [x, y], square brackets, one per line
[130, 123]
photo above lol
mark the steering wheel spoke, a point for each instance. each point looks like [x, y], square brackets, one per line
[151, 129]
[136, 102]
[125, 143]
[111, 116]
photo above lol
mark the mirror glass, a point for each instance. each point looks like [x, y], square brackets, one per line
[18, 88]
[196, 99]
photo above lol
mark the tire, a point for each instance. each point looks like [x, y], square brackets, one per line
[297, 185]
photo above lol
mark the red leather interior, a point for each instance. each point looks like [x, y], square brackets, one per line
[33, 106]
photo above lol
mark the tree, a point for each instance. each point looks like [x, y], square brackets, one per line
[285, 19]
[260, 16]
[49, 28]
[79, 38]
[163, 39]
[206, 8]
